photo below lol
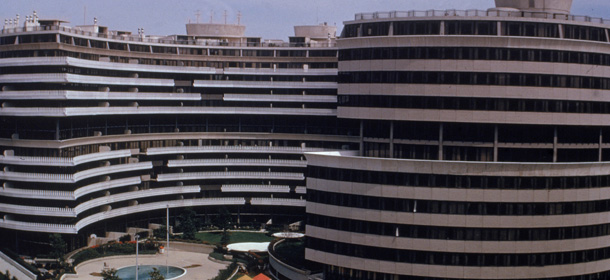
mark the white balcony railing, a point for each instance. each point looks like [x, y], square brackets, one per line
[83, 79]
[36, 194]
[280, 98]
[106, 185]
[63, 161]
[278, 201]
[71, 178]
[230, 149]
[256, 188]
[38, 227]
[37, 211]
[236, 162]
[264, 84]
[230, 175]
[166, 110]
[96, 95]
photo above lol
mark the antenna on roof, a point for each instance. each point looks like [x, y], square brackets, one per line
[225, 15]
[212, 16]
[239, 18]
[198, 14]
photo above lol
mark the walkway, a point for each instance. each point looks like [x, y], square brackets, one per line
[197, 265]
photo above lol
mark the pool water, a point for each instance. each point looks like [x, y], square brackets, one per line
[128, 273]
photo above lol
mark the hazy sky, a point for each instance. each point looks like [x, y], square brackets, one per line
[270, 19]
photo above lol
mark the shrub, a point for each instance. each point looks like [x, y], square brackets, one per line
[225, 273]
[125, 238]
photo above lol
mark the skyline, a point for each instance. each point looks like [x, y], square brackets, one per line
[159, 17]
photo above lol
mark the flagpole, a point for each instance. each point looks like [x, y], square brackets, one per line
[167, 245]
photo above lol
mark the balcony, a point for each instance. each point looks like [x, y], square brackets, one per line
[280, 72]
[83, 63]
[278, 201]
[37, 211]
[72, 178]
[59, 161]
[106, 185]
[255, 188]
[263, 84]
[230, 175]
[36, 194]
[157, 110]
[83, 79]
[280, 98]
[96, 95]
[38, 227]
[134, 195]
[230, 149]
[236, 162]
[157, 206]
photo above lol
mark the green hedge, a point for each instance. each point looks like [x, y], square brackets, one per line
[225, 273]
[114, 249]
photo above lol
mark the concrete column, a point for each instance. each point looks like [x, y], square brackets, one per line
[555, 144]
[392, 139]
[495, 143]
[440, 142]
[57, 129]
[600, 145]
[361, 138]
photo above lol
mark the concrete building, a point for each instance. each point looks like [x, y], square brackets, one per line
[423, 145]
[103, 130]
[484, 140]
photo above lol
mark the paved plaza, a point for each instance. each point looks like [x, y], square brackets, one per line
[196, 264]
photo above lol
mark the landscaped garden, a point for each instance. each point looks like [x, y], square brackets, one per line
[214, 237]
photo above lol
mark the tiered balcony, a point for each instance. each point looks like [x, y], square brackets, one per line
[263, 84]
[38, 227]
[280, 98]
[156, 206]
[278, 201]
[61, 161]
[83, 79]
[166, 110]
[230, 149]
[37, 211]
[236, 162]
[255, 188]
[134, 196]
[96, 95]
[230, 175]
[72, 178]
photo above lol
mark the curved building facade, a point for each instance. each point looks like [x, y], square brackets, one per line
[483, 148]
[101, 130]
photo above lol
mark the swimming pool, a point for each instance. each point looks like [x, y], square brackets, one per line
[171, 272]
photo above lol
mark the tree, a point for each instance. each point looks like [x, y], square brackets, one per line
[224, 222]
[188, 223]
[161, 232]
[58, 246]
[155, 275]
[109, 274]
